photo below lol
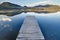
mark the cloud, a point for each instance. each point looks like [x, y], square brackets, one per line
[38, 3]
[1, 1]
[44, 3]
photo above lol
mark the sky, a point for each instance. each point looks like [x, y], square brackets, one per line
[32, 2]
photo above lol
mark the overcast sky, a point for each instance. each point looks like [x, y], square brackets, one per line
[31, 2]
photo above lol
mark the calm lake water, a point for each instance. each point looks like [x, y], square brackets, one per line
[49, 24]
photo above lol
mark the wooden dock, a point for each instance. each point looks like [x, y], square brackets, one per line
[30, 30]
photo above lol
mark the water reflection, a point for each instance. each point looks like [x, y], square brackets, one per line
[49, 23]
[50, 26]
[9, 26]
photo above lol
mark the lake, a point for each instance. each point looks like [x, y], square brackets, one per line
[49, 24]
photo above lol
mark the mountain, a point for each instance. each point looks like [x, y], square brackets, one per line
[48, 5]
[8, 5]
[43, 6]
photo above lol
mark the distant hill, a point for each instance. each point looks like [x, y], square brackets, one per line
[43, 6]
[8, 5]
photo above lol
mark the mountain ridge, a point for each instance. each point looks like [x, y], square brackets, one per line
[8, 5]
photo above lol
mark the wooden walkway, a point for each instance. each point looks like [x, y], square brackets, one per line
[30, 30]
